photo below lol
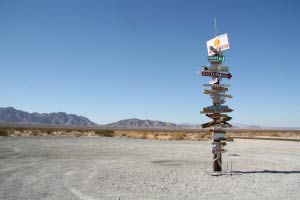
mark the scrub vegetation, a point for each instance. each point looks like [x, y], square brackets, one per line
[167, 134]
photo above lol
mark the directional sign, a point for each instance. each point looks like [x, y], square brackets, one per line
[216, 121]
[216, 107]
[216, 74]
[219, 88]
[219, 143]
[213, 92]
[217, 85]
[218, 100]
[218, 149]
[216, 115]
[221, 95]
[220, 58]
[217, 68]
[219, 136]
[216, 111]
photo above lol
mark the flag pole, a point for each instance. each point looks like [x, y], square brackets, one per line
[216, 32]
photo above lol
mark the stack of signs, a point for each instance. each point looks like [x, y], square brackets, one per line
[217, 92]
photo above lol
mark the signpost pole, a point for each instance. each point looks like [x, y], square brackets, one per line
[218, 94]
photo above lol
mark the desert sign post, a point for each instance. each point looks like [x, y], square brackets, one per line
[217, 91]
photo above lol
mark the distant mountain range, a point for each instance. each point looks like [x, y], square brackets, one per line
[138, 123]
[10, 114]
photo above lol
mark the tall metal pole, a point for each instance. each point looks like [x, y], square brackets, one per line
[216, 31]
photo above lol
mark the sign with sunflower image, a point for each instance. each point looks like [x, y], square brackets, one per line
[220, 43]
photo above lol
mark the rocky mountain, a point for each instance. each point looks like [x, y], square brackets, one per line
[138, 123]
[10, 114]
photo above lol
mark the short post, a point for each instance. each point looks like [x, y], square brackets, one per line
[231, 168]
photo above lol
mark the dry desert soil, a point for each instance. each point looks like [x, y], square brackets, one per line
[90, 168]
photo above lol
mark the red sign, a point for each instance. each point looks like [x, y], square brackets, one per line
[216, 74]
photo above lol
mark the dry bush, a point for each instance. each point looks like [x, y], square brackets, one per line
[105, 133]
[177, 136]
[272, 134]
[3, 133]
[35, 133]
[143, 136]
[155, 136]
[77, 134]
[201, 136]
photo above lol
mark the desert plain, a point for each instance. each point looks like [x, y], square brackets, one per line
[113, 168]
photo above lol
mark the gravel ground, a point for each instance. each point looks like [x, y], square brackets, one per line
[118, 168]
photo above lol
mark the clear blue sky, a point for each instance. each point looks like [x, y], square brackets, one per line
[111, 60]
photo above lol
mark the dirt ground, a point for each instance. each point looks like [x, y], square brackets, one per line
[90, 168]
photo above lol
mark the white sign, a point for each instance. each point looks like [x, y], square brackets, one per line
[220, 43]
[219, 136]
[213, 81]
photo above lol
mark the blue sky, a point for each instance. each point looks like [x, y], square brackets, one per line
[116, 59]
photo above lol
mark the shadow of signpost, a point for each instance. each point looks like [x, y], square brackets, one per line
[267, 172]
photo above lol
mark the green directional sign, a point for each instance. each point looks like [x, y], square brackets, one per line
[216, 58]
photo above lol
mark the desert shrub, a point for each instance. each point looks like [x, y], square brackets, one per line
[200, 136]
[20, 129]
[49, 131]
[77, 134]
[3, 132]
[35, 133]
[155, 136]
[177, 136]
[105, 133]
[143, 136]
[273, 134]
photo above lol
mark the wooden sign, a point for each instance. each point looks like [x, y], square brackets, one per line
[217, 68]
[213, 92]
[216, 74]
[216, 121]
[221, 95]
[216, 111]
[219, 88]
[217, 85]
[219, 101]
[218, 143]
[216, 115]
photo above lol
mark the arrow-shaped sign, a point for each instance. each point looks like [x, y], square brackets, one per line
[217, 68]
[216, 74]
[216, 111]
